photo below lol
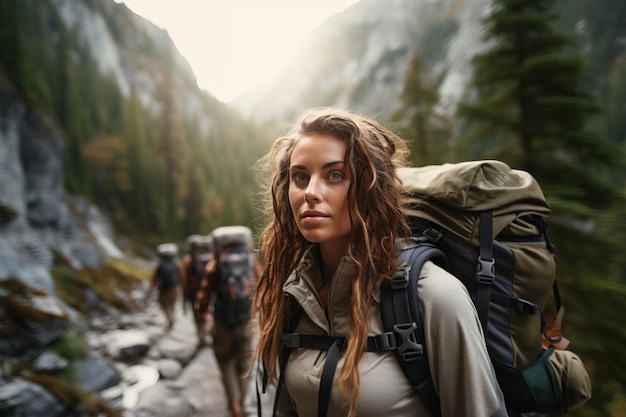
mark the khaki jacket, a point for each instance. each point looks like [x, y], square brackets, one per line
[459, 363]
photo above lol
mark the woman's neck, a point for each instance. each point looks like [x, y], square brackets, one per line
[330, 257]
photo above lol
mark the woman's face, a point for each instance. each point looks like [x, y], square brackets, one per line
[318, 189]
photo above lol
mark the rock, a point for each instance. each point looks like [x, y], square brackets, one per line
[49, 362]
[180, 343]
[127, 345]
[27, 333]
[169, 368]
[166, 401]
[137, 378]
[95, 374]
[19, 397]
[113, 395]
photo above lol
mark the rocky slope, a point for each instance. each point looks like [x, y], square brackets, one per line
[358, 58]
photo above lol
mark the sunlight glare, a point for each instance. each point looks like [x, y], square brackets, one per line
[234, 45]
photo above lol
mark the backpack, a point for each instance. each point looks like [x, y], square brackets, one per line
[168, 272]
[198, 265]
[486, 224]
[234, 279]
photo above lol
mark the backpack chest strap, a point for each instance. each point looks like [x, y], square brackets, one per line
[382, 342]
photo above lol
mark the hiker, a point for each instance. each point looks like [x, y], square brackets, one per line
[194, 264]
[166, 279]
[227, 289]
[334, 209]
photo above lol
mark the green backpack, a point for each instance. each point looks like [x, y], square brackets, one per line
[486, 224]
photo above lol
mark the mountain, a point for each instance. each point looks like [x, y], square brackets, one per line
[358, 58]
[137, 55]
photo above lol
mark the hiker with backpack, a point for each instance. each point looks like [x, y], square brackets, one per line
[194, 265]
[227, 290]
[166, 279]
[335, 216]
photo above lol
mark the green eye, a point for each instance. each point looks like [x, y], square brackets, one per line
[335, 175]
[299, 177]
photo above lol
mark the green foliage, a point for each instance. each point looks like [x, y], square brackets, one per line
[533, 111]
[12, 43]
[112, 284]
[419, 121]
[71, 345]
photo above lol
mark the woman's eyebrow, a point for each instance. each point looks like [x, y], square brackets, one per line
[332, 163]
[325, 166]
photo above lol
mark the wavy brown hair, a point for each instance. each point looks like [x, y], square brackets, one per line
[373, 153]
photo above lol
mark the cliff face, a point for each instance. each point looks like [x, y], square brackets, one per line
[137, 54]
[38, 215]
[40, 222]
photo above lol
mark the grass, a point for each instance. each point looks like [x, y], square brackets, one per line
[118, 277]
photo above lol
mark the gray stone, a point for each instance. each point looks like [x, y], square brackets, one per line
[126, 345]
[19, 397]
[95, 374]
[49, 361]
[169, 368]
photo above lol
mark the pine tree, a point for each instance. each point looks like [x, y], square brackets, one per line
[531, 109]
[169, 144]
[138, 199]
[419, 121]
[12, 43]
[531, 112]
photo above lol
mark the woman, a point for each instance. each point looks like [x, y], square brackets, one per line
[335, 214]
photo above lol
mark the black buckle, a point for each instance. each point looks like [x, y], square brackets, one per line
[291, 340]
[486, 270]
[400, 278]
[384, 342]
[433, 234]
[525, 306]
[409, 349]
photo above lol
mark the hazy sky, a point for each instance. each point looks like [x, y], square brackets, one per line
[233, 45]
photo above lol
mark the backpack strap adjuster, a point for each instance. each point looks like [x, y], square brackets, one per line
[400, 278]
[409, 349]
[433, 234]
[291, 340]
[382, 342]
[525, 306]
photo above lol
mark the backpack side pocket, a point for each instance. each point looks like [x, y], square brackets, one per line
[533, 388]
[573, 378]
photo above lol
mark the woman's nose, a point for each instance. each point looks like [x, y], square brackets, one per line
[312, 192]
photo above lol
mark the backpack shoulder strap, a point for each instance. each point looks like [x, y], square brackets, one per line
[290, 323]
[400, 314]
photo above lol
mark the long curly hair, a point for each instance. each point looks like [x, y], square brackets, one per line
[372, 156]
